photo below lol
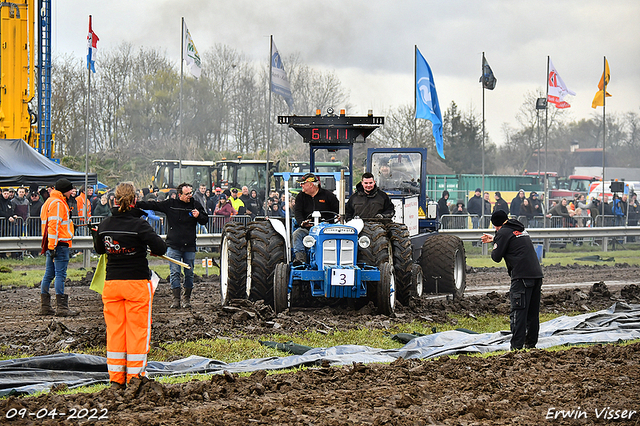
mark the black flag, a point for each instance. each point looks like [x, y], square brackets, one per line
[487, 79]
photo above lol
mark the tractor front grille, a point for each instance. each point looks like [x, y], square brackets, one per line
[338, 252]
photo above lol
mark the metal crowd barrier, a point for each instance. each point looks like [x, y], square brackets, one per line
[455, 221]
[603, 236]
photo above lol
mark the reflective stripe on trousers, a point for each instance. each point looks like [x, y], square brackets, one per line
[127, 313]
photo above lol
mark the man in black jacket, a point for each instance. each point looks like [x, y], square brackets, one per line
[474, 207]
[311, 198]
[183, 214]
[513, 244]
[369, 201]
[500, 204]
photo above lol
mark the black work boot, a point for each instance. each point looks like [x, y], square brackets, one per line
[176, 298]
[45, 305]
[187, 298]
[62, 306]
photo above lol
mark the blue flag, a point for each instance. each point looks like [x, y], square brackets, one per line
[427, 105]
[279, 81]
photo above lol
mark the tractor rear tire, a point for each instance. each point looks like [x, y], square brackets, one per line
[233, 263]
[402, 252]
[378, 252]
[280, 288]
[386, 291]
[443, 260]
[265, 249]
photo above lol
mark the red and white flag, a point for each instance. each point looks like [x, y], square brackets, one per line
[557, 89]
[92, 48]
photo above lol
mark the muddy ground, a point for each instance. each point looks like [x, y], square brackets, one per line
[514, 388]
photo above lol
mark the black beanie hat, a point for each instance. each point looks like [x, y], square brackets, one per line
[63, 185]
[499, 217]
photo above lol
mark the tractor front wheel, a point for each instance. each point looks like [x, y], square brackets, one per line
[281, 288]
[417, 279]
[386, 293]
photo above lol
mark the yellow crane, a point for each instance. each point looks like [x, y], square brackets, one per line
[17, 76]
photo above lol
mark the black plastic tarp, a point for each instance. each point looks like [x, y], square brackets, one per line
[22, 165]
[618, 323]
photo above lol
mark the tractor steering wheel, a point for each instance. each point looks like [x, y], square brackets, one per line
[330, 216]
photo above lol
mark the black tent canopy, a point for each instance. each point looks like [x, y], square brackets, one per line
[22, 165]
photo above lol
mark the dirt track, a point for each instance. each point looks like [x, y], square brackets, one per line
[515, 388]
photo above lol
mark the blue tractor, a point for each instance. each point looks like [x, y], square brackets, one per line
[377, 260]
[342, 261]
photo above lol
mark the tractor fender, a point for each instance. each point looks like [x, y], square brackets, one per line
[279, 227]
[356, 223]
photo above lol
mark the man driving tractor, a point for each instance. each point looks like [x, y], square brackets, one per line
[312, 198]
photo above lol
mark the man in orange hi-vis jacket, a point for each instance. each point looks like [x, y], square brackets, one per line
[56, 222]
[128, 293]
[81, 201]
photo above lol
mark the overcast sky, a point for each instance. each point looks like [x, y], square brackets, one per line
[369, 45]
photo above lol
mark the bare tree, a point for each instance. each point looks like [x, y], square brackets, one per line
[68, 105]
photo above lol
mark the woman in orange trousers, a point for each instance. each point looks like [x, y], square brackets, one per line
[128, 294]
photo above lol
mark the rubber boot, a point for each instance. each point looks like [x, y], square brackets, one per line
[62, 306]
[187, 298]
[45, 305]
[176, 298]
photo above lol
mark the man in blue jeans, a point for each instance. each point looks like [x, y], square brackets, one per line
[183, 214]
[56, 224]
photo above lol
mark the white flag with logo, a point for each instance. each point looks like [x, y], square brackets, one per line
[279, 81]
[190, 53]
[557, 89]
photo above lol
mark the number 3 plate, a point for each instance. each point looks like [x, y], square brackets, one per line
[343, 277]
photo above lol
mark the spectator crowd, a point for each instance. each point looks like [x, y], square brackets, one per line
[20, 208]
[620, 210]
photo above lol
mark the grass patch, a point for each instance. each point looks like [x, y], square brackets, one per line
[630, 254]
[33, 277]
[28, 272]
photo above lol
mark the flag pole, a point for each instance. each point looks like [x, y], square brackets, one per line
[85, 258]
[415, 94]
[546, 143]
[483, 133]
[180, 132]
[266, 193]
[604, 102]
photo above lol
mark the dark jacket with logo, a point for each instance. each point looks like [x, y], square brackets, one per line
[124, 237]
[182, 225]
[323, 201]
[368, 205]
[513, 244]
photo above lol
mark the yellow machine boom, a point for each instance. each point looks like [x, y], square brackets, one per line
[17, 77]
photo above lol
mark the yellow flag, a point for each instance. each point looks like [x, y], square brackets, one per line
[598, 99]
[97, 282]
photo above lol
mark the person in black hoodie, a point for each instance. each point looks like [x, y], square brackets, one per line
[513, 244]
[127, 294]
[369, 201]
[183, 214]
[443, 208]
